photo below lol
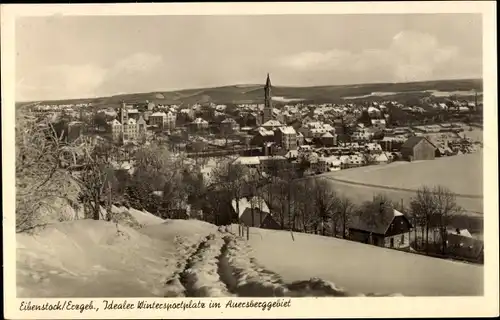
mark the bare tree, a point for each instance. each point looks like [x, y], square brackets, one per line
[434, 208]
[95, 180]
[230, 177]
[305, 210]
[346, 208]
[446, 208]
[325, 203]
[422, 208]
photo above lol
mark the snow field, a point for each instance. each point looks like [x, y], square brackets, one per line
[250, 279]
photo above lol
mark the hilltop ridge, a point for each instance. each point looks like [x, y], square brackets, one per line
[252, 93]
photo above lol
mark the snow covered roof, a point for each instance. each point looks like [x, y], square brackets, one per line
[272, 123]
[247, 161]
[287, 130]
[327, 135]
[254, 202]
[378, 121]
[158, 114]
[332, 160]
[462, 232]
[379, 225]
[200, 120]
[397, 213]
[381, 158]
[265, 132]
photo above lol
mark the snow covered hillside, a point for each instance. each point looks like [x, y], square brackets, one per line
[172, 258]
[363, 268]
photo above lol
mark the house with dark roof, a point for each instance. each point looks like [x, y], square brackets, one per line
[418, 148]
[256, 207]
[384, 227]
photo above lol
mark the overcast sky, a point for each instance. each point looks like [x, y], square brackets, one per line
[74, 57]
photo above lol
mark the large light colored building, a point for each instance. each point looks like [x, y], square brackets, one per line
[116, 129]
[286, 137]
[128, 129]
[157, 119]
[170, 120]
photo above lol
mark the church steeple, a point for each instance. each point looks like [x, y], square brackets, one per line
[268, 81]
[268, 107]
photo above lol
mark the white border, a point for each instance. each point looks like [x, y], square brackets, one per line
[304, 307]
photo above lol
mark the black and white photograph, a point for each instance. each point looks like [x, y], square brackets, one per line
[249, 156]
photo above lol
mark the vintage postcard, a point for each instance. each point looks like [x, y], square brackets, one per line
[239, 160]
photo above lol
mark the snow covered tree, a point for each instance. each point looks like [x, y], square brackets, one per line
[40, 179]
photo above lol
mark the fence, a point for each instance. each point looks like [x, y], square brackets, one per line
[242, 229]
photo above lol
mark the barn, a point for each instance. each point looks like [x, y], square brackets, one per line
[387, 228]
[418, 148]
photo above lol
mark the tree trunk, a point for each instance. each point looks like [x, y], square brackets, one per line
[289, 208]
[97, 210]
[253, 213]
[344, 223]
[282, 216]
[237, 210]
[427, 239]
[109, 203]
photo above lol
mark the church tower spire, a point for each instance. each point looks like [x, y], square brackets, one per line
[268, 106]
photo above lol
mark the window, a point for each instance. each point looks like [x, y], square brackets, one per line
[403, 238]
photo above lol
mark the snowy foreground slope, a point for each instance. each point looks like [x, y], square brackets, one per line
[363, 268]
[86, 258]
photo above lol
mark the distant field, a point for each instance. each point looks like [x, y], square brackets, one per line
[399, 180]
[255, 94]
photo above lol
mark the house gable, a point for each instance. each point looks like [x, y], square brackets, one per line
[398, 225]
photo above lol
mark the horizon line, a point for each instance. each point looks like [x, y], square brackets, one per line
[248, 84]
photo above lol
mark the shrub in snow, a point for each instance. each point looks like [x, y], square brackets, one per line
[316, 287]
[122, 216]
[383, 295]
